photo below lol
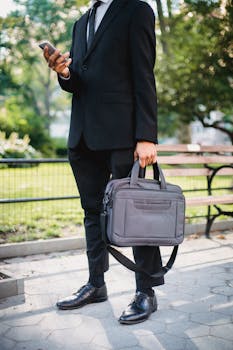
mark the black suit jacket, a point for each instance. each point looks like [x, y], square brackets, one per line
[114, 97]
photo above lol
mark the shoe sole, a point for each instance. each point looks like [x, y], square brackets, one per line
[133, 322]
[138, 321]
[100, 300]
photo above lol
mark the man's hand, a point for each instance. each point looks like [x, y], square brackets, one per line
[146, 152]
[58, 62]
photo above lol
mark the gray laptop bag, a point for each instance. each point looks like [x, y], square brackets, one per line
[140, 212]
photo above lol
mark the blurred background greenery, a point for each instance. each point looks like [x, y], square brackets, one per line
[193, 69]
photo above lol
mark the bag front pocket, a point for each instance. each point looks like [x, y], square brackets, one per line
[150, 219]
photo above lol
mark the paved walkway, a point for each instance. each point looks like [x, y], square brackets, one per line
[195, 304]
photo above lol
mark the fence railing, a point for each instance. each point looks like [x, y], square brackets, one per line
[38, 199]
[17, 163]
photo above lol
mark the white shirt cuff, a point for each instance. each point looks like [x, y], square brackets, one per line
[67, 78]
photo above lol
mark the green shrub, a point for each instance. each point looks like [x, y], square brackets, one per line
[60, 145]
[14, 147]
[16, 117]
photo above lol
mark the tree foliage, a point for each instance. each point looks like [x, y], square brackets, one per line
[26, 82]
[195, 78]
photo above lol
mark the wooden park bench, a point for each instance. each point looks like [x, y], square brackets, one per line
[213, 160]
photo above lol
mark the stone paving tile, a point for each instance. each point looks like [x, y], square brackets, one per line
[26, 333]
[211, 343]
[195, 305]
[226, 311]
[223, 331]
[116, 339]
[169, 297]
[152, 326]
[210, 318]
[229, 282]
[225, 308]
[171, 342]
[87, 347]
[195, 291]
[28, 319]
[149, 342]
[3, 329]
[223, 290]
[101, 311]
[221, 276]
[187, 330]
[7, 344]
[72, 337]
[172, 316]
[134, 348]
[56, 320]
[51, 345]
[215, 300]
[192, 307]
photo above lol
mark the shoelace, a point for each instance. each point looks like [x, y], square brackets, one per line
[80, 290]
[136, 300]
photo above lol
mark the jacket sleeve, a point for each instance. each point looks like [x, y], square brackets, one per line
[142, 48]
[71, 84]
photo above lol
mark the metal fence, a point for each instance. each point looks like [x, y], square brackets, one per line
[38, 199]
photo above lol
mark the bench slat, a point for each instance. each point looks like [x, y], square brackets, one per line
[195, 148]
[210, 200]
[195, 172]
[195, 159]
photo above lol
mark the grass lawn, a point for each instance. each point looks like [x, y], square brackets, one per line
[48, 219]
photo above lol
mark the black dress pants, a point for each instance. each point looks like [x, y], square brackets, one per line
[92, 170]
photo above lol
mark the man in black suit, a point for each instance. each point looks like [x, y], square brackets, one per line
[113, 122]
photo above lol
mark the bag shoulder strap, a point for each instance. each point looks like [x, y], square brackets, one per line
[121, 258]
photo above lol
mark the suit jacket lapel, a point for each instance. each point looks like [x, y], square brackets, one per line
[83, 34]
[112, 11]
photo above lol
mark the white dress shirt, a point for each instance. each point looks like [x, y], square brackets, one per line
[100, 12]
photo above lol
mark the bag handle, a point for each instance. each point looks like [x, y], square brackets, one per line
[156, 169]
[121, 258]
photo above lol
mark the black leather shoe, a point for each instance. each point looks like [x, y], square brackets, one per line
[139, 309]
[85, 295]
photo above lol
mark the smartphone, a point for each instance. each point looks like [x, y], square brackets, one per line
[49, 45]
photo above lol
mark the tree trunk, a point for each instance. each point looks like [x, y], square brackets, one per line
[183, 134]
[162, 26]
[218, 127]
[169, 8]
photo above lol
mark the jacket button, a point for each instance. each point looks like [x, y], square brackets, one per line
[84, 67]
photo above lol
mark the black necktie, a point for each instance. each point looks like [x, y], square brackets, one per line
[92, 23]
